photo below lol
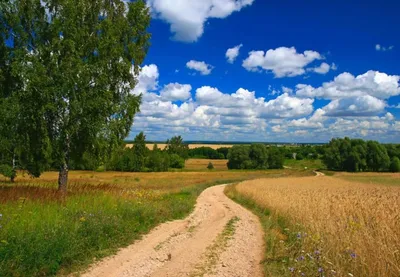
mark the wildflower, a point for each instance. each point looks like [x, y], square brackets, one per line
[299, 235]
[353, 255]
[291, 269]
[317, 252]
[320, 270]
[301, 258]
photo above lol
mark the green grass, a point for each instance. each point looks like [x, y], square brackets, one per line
[46, 237]
[302, 164]
[375, 180]
[287, 246]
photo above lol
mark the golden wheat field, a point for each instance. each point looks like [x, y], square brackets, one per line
[191, 146]
[355, 225]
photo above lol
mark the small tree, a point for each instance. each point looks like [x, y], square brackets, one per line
[175, 145]
[395, 165]
[210, 166]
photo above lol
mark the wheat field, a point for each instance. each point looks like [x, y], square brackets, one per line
[356, 226]
[191, 146]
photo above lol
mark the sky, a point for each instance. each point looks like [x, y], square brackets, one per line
[271, 71]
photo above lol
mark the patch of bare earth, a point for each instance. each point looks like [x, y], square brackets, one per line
[220, 238]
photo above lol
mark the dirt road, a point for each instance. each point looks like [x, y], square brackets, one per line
[220, 238]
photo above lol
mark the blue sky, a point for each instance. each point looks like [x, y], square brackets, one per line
[302, 71]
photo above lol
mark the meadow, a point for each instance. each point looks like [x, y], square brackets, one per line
[43, 234]
[327, 226]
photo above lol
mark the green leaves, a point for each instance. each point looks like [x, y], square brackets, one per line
[73, 64]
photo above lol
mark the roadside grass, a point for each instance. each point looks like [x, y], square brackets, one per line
[325, 226]
[44, 235]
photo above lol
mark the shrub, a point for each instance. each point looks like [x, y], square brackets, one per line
[210, 166]
[176, 161]
[395, 165]
[7, 171]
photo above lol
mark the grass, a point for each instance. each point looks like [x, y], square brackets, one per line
[389, 179]
[214, 251]
[44, 235]
[304, 164]
[326, 226]
[201, 165]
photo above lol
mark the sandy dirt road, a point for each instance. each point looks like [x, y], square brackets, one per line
[220, 238]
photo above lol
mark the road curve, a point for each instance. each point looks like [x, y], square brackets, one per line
[196, 246]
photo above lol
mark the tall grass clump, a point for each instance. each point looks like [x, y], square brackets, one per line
[326, 226]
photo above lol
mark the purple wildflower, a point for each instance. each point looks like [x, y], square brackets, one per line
[291, 269]
[353, 255]
[320, 270]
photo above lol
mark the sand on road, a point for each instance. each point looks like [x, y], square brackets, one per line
[220, 238]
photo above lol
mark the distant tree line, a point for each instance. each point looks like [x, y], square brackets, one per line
[209, 153]
[139, 158]
[356, 155]
[255, 156]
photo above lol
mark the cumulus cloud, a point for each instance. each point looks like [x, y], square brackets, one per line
[147, 79]
[233, 53]
[176, 92]
[365, 105]
[322, 69]
[379, 47]
[243, 115]
[282, 61]
[187, 17]
[202, 67]
[373, 83]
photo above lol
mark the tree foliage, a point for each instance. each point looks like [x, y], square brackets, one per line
[175, 145]
[205, 153]
[75, 62]
[256, 156]
[356, 155]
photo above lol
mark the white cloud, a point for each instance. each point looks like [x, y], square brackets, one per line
[282, 61]
[365, 105]
[176, 92]
[287, 90]
[215, 115]
[147, 79]
[379, 47]
[187, 17]
[285, 106]
[278, 129]
[322, 69]
[244, 102]
[233, 53]
[373, 83]
[202, 67]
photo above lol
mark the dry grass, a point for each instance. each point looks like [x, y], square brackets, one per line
[356, 226]
[191, 146]
[201, 164]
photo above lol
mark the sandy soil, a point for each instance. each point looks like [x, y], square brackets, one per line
[192, 247]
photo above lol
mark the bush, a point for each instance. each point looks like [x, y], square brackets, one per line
[395, 165]
[7, 171]
[210, 166]
[176, 161]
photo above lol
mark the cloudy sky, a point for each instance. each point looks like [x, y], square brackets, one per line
[274, 71]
